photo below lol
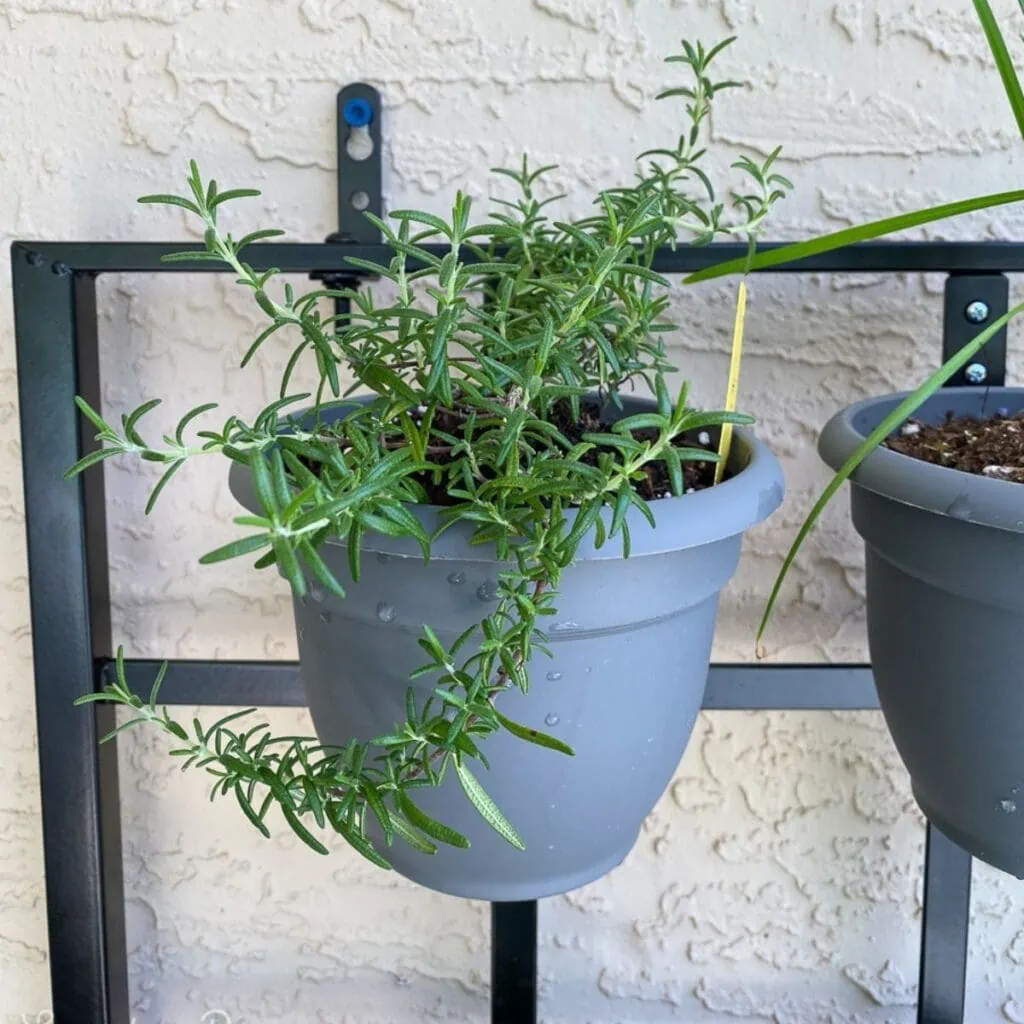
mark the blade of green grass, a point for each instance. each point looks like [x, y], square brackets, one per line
[906, 408]
[1007, 72]
[850, 236]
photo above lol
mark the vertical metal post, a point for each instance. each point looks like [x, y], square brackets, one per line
[944, 931]
[514, 963]
[55, 334]
[972, 302]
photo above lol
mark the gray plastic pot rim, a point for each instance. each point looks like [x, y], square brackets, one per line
[717, 513]
[969, 497]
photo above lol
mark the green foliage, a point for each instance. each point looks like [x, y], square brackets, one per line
[496, 331]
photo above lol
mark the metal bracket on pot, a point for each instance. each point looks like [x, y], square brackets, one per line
[973, 301]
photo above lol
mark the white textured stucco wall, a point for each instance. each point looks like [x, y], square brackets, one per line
[779, 879]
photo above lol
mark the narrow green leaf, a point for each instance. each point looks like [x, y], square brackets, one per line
[230, 194]
[675, 470]
[645, 509]
[850, 236]
[421, 217]
[486, 807]
[258, 236]
[353, 549]
[262, 481]
[161, 484]
[190, 256]
[91, 415]
[411, 836]
[361, 845]
[90, 460]
[169, 200]
[541, 739]
[301, 831]
[248, 810]
[289, 565]
[319, 569]
[1004, 62]
[426, 824]
[622, 501]
[380, 812]
[236, 548]
[641, 421]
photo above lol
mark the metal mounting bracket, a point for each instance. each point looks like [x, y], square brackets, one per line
[973, 302]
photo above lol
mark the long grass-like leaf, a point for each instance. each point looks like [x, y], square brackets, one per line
[850, 236]
[1001, 55]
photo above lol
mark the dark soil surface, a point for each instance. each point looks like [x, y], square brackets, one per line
[655, 485]
[992, 447]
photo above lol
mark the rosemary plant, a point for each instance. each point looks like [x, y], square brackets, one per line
[471, 377]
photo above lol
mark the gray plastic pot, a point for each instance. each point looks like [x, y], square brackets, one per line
[945, 604]
[631, 643]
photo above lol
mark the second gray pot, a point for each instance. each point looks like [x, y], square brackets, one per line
[945, 604]
[631, 642]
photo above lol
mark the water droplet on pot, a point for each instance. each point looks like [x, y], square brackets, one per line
[302, 634]
[317, 594]
[487, 591]
[1008, 807]
[554, 676]
[455, 578]
[385, 612]
[552, 720]
[382, 558]
[564, 627]
[325, 616]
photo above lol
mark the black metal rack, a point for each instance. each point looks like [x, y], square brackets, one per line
[58, 357]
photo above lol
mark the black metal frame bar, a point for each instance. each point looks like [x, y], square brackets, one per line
[58, 357]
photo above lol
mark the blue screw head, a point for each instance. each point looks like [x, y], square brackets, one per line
[357, 113]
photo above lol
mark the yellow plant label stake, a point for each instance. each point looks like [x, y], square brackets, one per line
[732, 389]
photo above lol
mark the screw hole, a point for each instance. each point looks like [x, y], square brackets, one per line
[360, 201]
[359, 144]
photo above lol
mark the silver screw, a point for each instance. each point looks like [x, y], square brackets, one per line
[975, 374]
[977, 311]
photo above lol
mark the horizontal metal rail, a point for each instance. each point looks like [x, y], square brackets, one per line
[736, 687]
[304, 258]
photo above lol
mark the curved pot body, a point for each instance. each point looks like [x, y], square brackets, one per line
[631, 644]
[945, 603]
